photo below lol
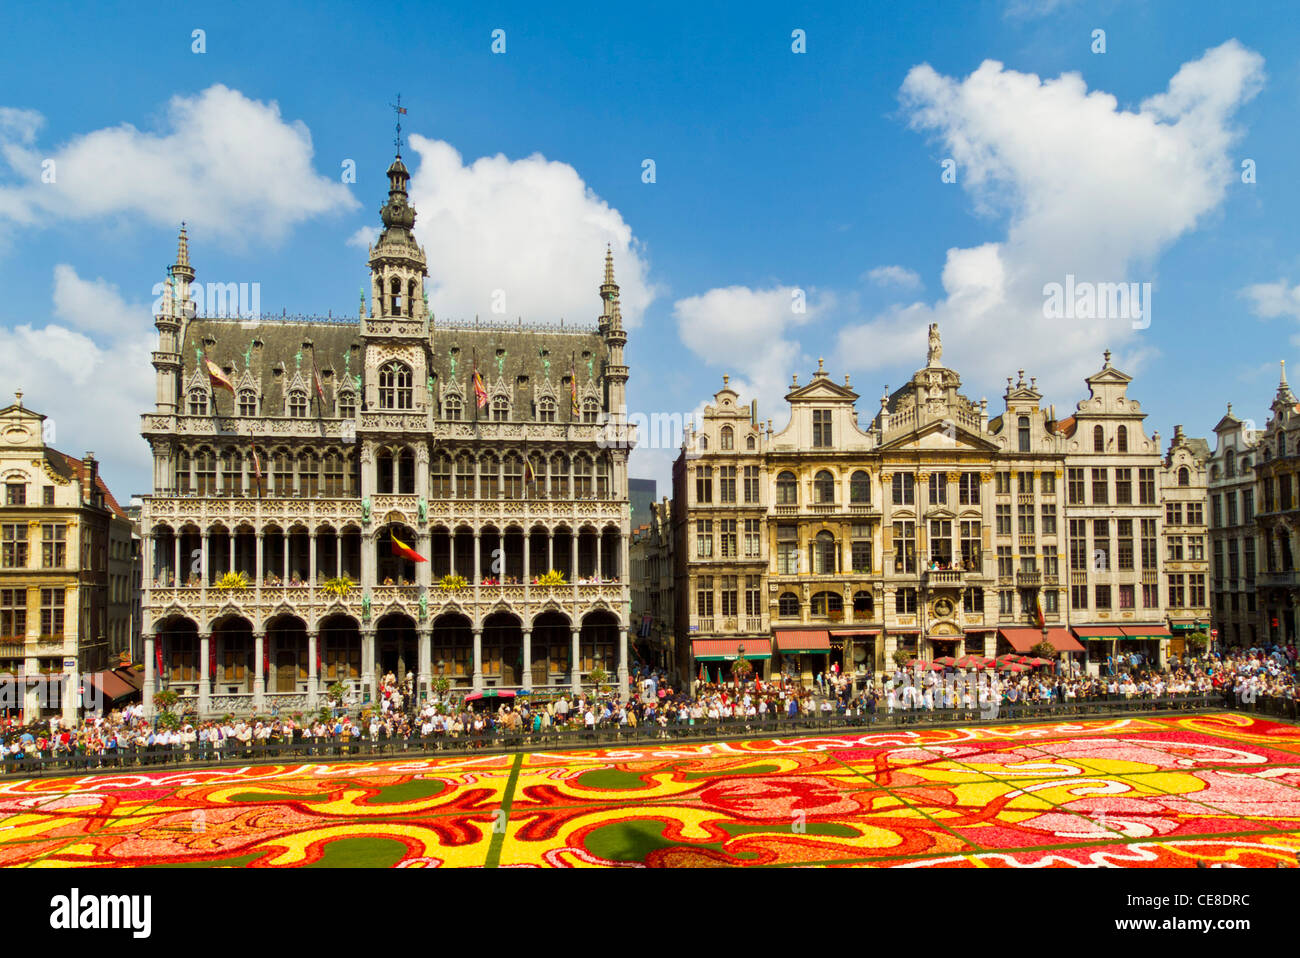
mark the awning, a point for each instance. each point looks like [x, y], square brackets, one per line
[848, 632]
[1146, 632]
[1188, 625]
[1099, 632]
[1022, 640]
[794, 640]
[111, 685]
[724, 650]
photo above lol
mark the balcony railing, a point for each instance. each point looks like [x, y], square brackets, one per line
[933, 577]
[1027, 580]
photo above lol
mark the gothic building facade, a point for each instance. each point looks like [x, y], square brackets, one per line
[301, 465]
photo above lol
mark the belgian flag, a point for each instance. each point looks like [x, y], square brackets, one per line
[401, 549]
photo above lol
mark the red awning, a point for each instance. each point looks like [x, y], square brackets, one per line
[1147, 632]
[1098, 632]
[718, 650]
[111, 685]
[1022, 640]
[796, 640]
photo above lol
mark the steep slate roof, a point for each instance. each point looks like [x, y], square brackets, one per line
[232, 345]
[522, 357]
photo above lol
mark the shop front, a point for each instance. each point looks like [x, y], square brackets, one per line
[713, 658]
[1190, 637]
[1121, 648]
[802, 653]
[860, 651]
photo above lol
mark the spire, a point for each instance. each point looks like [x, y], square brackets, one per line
[1284, 394]
[609, 313]
[182, 268]
[1283, 384]
[609, 265]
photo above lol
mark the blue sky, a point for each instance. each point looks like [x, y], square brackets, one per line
[774, 171]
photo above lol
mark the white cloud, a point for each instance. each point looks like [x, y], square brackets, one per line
[232, 166]
[895, 276]
[364, 237]
[745, 332]
[1033, 9]
[1087, 188]
[1271, 300]
[90, 374]
[530, 228]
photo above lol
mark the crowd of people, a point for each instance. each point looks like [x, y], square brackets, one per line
[656, 706]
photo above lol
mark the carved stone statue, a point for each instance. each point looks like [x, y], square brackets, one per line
[424, 606]
[422, 509]
[935, 353]
[365, 509]
[365, 606]
[501, 363]
[452, 356]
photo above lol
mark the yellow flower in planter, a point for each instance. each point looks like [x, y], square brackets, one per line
[450, 583]
[553, 577]
[233, 580]
[339, 587]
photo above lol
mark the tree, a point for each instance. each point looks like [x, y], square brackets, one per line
[1045, 650]
[600, 678]
[742, 669]
[164, 701]
[901, 657]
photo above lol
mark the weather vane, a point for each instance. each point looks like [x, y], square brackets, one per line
[400, 111]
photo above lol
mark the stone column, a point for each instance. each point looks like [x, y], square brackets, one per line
[425, 671]
[600, 572]
[550, 549]
[311, 559]
[313, 676]
[622, 665]
[478, 564]
[259, 671]
[150, 674]
[260, 563]
[575, 666]
[478, 656]
[205, 673]
[368, 662]
[526, 680]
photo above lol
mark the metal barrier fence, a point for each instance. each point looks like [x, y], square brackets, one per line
[575, 736]
[1276, 705]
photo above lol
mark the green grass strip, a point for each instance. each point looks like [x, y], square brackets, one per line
[499, 834]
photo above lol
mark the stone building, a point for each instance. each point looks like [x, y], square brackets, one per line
[932, 531]
[65, 574]
[497, 452]
[653, 568]
[1277, 499]
[1184, 488]
[1234, 613]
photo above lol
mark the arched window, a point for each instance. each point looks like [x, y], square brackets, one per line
[395, 385]
[395, 296]
[787, 606]
[333, 475]
[198, 402]
[559, 476]
[749, 443]
[347, 404]
[1024, 434]
[489, 476]
[535, 475]
[464, 476]
[384, 472]
[183, 463]
[513, 472]
[1098, 439]
[231, 472]
[823, 554]
[824, 487]
[247, 402]
[440, 474]
[205, 473]
[787, 489]
[826, 603]
[1230, 463]
[1245, 465]
[451, 408]
[1281, 445]
[1184, 476]
[727, 438]
[500, 409]
[590, 410]
[582, 488]
[704, 442]
[546, 409]
[859, 488]
[282, 474]
[864, 605]
[405, 472]
[297, 404]
[308, 474]
[1121, 439]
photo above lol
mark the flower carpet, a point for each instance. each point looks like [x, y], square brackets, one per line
[1133, 792]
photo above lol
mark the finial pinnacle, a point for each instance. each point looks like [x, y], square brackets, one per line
[1106, 356]
[18, 394]
[820, 367]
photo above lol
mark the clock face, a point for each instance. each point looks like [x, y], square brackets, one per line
[943, 608]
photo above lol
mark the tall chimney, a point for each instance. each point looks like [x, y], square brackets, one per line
[90, 469]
